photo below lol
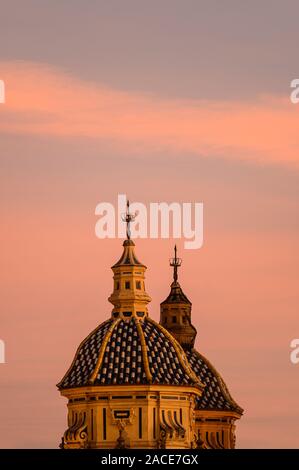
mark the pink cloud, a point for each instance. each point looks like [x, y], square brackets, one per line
[47, 101]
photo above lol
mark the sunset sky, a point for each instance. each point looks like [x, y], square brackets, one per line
[185, 101]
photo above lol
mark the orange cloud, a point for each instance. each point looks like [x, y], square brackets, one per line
[46, 101]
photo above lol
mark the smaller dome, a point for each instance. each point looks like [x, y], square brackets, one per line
[129, 352]
[215, 395]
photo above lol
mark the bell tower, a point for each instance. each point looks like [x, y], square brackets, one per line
[175, 311]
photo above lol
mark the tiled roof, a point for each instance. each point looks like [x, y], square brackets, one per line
[113, 354]
[86, 358]
[215, 395]
[128, 258]
[122, 361]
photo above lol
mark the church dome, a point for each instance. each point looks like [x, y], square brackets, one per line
[141, 384]
[131, 352]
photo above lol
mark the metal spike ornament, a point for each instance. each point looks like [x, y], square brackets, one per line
[128, 218]
[175, 263]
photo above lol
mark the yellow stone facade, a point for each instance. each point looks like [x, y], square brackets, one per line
[121, 416]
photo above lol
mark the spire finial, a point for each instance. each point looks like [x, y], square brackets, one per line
[128, 218]
[175, 263]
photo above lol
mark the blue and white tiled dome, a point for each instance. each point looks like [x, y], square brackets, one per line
[129, 352]
[114, 355]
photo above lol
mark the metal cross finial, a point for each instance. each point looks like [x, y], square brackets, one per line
[128, 218]
[175, 263]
